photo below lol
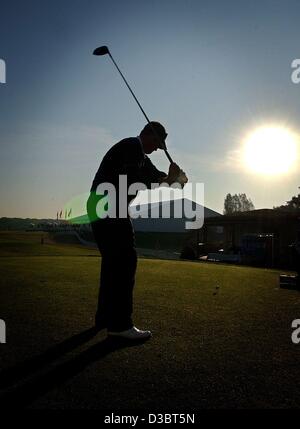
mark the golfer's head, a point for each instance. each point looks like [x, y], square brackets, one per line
[153, 137]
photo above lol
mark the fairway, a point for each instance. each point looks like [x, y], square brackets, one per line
[221, 334]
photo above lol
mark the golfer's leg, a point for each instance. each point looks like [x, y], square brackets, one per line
[117, 279]
[124, 263]
[98, 228]
[121, 294]
[115, 239]
[103, 295]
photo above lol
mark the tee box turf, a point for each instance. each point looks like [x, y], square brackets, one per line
[289, 281]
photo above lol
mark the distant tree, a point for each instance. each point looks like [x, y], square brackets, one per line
[237, 203]
[292, 204]
[228, 204]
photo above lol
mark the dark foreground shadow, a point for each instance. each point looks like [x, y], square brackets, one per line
[22, 395]
[27, 367]
[290, 287]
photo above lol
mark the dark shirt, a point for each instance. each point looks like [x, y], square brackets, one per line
[127, 158]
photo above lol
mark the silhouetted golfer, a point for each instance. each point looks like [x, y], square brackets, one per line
[115, 236]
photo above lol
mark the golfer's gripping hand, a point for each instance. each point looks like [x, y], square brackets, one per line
[174, 171]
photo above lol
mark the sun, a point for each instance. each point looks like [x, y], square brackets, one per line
[270, 150]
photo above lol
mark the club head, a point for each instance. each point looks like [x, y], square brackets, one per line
[102, 50]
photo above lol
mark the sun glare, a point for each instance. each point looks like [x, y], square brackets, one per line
[270, 151]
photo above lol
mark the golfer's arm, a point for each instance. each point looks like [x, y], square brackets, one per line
[163, 180]
[166, 179]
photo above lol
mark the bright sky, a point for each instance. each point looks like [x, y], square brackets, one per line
[210, 71]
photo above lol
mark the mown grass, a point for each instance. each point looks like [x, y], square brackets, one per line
[221, 334]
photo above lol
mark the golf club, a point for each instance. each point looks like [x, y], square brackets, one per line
[103, 50]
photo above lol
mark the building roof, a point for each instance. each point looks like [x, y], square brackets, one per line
[172, 223]
[260, 215]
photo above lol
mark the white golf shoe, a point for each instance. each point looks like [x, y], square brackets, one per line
[133, 334]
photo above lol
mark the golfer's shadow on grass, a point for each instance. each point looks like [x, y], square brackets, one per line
[19, 395]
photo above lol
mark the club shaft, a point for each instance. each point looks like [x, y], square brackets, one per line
[138, 103]
[127, 84]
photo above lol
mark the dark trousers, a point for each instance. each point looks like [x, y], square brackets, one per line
[116, 242]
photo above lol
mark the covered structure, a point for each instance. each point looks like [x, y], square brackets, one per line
[262, 237]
